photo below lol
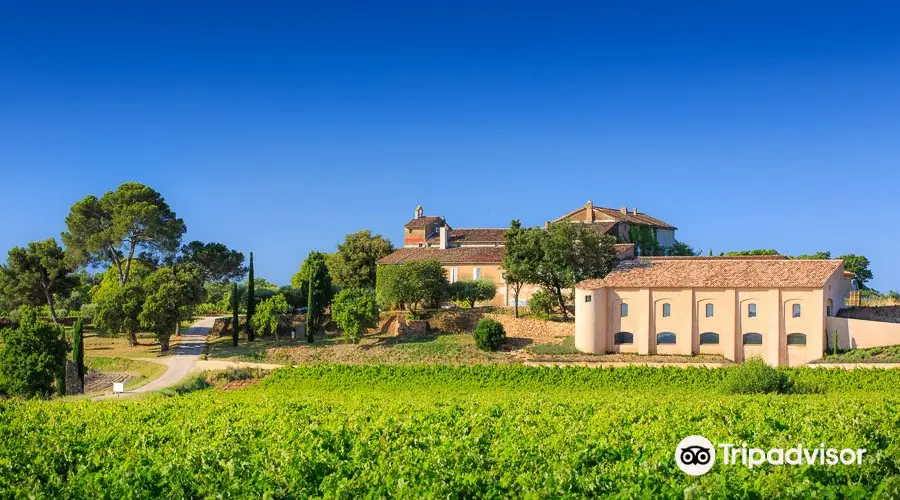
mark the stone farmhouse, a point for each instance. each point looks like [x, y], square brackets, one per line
[477, 253]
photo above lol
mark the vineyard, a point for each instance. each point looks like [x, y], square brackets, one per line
[429, 431]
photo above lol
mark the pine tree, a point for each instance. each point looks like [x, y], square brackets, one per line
[78, 349]
[235, 304]
[251, 302]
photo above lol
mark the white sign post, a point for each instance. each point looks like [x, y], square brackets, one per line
[118, 388]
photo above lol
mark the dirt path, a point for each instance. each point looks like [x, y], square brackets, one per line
[180, 363]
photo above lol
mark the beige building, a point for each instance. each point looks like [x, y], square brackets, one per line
[742, 307]
[465, 253]
[619, 222]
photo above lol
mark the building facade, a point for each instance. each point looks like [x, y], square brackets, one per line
[465, 253]
[739, 308]
[620, 223]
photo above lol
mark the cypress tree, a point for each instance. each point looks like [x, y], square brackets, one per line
[251, 302]
[235, 305]
[78, 349]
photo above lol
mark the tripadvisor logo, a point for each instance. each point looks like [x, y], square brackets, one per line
[695, 455]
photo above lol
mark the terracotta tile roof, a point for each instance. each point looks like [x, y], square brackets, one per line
[604, 227]
[616, 215]
[713, 272]
[423, 221]
[624, 250]
[454, 255]
[464, 236]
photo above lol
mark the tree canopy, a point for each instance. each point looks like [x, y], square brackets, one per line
[411, 284]
[355, 262]
[217, 263]
[32, 355]
[110, 229]
[354, 310]
[35, 274]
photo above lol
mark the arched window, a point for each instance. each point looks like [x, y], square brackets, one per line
[667, 310]
[796, 339]
[624, 310]
[624, 338]
[665, 338]
[752, 339]
[710, 338]
[829, 306]
[795, 311]
[710, 310]
[751, 310]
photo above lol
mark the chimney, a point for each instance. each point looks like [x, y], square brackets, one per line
[418, 212]
[633, 211]
[444, 237]
[589, 211]
[624, 210]
[547, 225]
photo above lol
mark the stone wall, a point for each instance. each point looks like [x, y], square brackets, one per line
[465, 320]
[889, 314]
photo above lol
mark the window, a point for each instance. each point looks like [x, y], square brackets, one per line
[709, 338]
[624, 310]
[665, 338]
[795, 311]
[751, 311]
[710, 311]
[624, 338]
[828, 307]
[476, 273]
[587, 298]
[752, 339]
[453, 274]
[667, 310]
[796, 339]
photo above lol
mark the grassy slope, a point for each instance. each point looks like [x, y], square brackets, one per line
[143, 371]
[889, 354]
[452, 431]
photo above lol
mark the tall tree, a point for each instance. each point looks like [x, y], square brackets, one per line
[858, 265]
[78, 349]
[217, 262]
[354, 264]
[235, 320]
[110, 229]
[118, 305]
[35, 274]
[320, 293]
[171, 295]
[571, 253]
[522, 255]
[251, 302]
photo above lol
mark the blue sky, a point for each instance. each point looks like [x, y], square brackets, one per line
[279, 128]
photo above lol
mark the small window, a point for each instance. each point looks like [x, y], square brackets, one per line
[709, 338]
[710, 311]
[624, 338]
[751, 311]
[667, 310]
[624, 310]
[454, 272]
[753, 339]
[796, 339]
[587, 298]
[665, 338]
[796, 311]
[476, 273]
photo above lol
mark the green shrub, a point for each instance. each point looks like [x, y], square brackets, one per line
[489, 335]
[195, 383]
[354, 310]
[541, 303]
[33, 355]
[754, 376]
[88, 311]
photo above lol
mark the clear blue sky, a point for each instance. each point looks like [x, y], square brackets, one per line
[281, 127]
